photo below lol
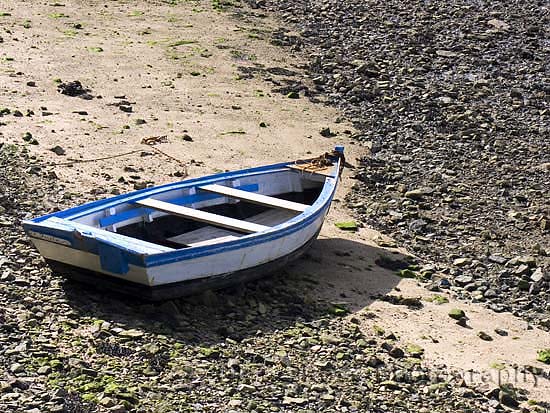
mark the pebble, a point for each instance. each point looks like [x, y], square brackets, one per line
[484, 336]
[58, 150]
[437, 129]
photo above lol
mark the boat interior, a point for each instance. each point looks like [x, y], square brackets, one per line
[210, 211]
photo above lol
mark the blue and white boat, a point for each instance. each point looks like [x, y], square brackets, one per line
[180, 238]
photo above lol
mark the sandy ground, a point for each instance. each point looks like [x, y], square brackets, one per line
[177, 67]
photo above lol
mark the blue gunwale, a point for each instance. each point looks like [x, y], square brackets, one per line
[96, 206]
[295, 224]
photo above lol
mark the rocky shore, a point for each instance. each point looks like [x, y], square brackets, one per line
[450, 101]
[264, 347]
[453, 101]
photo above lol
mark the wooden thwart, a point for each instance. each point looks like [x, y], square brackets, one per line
[203, 216]
[255, 198]
[210, 235]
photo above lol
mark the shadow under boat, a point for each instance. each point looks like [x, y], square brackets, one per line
[333, 270]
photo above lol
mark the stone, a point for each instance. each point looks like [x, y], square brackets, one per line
[416, 194]
[498, 24]
[16, 368]
[107, 402]
[44, 370]
[415, 350]
[484, 336]
[58, 150]
[507, 399]
[537, 275]
[374, 361]
[463, 280]
[501, 332]
[131, 333]
[396, 352]
[497, 259]
[457, 314]
[490, 293]
[461, 262]
[294, 400]
[390, 384]
[327, 133]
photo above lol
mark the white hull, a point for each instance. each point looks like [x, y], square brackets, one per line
[214, 230]
[190, 269]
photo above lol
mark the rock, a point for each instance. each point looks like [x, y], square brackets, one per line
[497, 259]
[537, 275]
[390, 384]
[44, 370]
[391, 263]
[27, 137]
[374, 361]
[327, 133]
[58, 150]
[457, 314]
[516, 94]
[140, 185]
[490, 293]
[461, 262]
[507, 399]
[416, 194]
[16, 368]
[187, 138]
[131, 333]
[294, 400]
[463, 280]
[484, 336]
[501, 332]
[169, 307]
[523, 285]
[73, 89]
[107, 402]
[396, 352]
[415, 350]
[498, 24]
[233, 364]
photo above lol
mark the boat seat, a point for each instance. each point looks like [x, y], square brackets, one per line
[203, 216]
[210, 235]
[255, 198]
[134, 244]
[124, 216]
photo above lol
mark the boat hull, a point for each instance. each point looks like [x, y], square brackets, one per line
[180, 288]
[215, 268]
[85, 243]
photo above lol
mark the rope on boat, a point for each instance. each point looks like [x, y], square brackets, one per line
[324, 161]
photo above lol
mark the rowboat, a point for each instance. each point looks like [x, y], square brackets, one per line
[181, 238]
